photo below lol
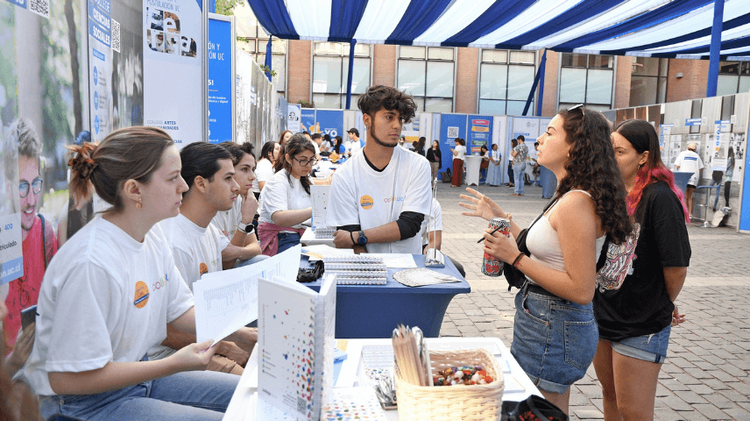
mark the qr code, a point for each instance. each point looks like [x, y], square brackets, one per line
[40, 7]
[116, 35]
[301, 406]
[452, 132]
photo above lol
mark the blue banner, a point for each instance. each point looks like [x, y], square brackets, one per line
[307, 123]
[451, 127]
[479, 133]
[330, 122]
[220, 117]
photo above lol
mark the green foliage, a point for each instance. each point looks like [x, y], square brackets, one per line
[226, 7]
[267, 70]
[306, 104]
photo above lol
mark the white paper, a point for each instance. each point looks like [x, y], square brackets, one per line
[396, 260]
[319, 197]
[228, 300]
[321, 251]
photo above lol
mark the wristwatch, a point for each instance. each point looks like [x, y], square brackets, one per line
[362, 238]
[246, 228]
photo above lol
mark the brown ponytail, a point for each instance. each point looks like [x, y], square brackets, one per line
[125, 154]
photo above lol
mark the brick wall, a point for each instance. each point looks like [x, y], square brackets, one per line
[692, 84]
[623, 75]
[384, 65]
[466, 80]
[299, 73]
[549, 103]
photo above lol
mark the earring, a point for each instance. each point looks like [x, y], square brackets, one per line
[138, 204]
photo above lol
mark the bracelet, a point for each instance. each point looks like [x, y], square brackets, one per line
[351, 235]
[518, 259]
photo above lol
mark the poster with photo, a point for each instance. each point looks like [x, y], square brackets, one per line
[172, 73]
[11, 250]
[675, 145]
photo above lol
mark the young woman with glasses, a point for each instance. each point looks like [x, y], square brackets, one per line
[554, 331]
[285, 205]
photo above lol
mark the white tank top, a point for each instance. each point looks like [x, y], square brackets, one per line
[544, 244]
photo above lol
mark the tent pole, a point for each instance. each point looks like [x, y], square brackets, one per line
[713, 66]
[352, 43]
[542, 69]
[539, 75]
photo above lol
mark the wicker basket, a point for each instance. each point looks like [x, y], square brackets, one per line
[451, 403]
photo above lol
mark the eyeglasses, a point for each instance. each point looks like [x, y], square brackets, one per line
[306, 162]
[36, 186]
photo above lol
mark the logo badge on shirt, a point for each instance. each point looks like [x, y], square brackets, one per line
[141, 294]
[202, 268]
[366, 202]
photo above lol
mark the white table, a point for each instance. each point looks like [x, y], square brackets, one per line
[308, 239]
[245, 399]
[472, 169]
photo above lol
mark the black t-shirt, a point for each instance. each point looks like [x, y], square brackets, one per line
[631, 296]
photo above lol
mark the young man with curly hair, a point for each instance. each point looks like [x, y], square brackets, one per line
[380, 197]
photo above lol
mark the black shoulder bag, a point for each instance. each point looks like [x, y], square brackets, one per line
[515, 277]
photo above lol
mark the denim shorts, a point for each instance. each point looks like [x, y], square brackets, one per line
[652, 348]
[554, 340]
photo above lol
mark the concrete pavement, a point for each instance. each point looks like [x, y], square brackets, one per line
[706, 373]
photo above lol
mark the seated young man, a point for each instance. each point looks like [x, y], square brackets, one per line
[380, 197]
[237, 222]
[199, 247]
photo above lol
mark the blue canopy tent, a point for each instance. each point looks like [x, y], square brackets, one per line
[694, 29]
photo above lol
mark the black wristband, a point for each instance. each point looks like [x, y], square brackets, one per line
[518, 259]
[351, 235]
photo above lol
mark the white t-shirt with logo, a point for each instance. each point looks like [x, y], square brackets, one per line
[362, 196]
[690, 161]
[105, 297]
[226, 221]
[280, 195]
[196, 250]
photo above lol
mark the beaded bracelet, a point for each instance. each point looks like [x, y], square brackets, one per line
[518, 259]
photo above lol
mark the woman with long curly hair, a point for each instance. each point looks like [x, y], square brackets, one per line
[634, 300]
[554, 332]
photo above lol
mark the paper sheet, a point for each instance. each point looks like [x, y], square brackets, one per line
[228, 300]
[319, 197]
[396, 260]
[321, 251]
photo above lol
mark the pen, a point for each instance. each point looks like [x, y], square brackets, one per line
[493, 231]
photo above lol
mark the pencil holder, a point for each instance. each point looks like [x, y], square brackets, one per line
[450, 403]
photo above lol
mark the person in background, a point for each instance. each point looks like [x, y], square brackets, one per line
[285, 206]
[382, 194]
[484, 153]
[39, 243]
[511, 176]
[285, 135]
[519, 154]
[326, 146]
[554, 330]
[494, 173]
[198, 246]
[536, 171]
[237, 223]
[317, 140]
[100, 309]
[690, 161]
[459, 155]
[355, 143]
[431, 233]
[634, 299]
[728, 177]
[339, 147]
[269, 154]
[419, 146]
[17, 401]
[434, 156]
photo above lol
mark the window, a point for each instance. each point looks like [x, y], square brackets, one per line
[505, 80]
[252, 38]
[648, 81]
[586, 79]
[331, 71]
[734, 77]
[426, 73]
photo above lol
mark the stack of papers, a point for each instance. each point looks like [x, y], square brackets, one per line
[420, 277]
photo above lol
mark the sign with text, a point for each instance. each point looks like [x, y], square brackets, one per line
[220, 79]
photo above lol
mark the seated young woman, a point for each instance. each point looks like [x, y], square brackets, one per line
[285, 205]
[111, 290]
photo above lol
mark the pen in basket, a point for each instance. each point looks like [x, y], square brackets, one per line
[412, 358]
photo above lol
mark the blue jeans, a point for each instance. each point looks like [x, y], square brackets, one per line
[287, 240]
[554, 340]
[518, 171]
[250, 261]
[190, 395]
[651, 348]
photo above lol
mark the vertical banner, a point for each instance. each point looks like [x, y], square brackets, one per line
[425, 128]
[282, 113]
[100, 57]
[220, 78]
[719, 148]
[480, 132]
[293, 119]
[665, 134]
[172, 68]
[307, 121]
[331, 122]
[499, 136]
[451, 127]
[11, 250]
[245, 108]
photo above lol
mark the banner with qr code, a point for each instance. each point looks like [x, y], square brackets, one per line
[451, 127]
[172, 71]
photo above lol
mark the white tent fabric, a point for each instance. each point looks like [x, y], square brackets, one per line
[658, 28]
